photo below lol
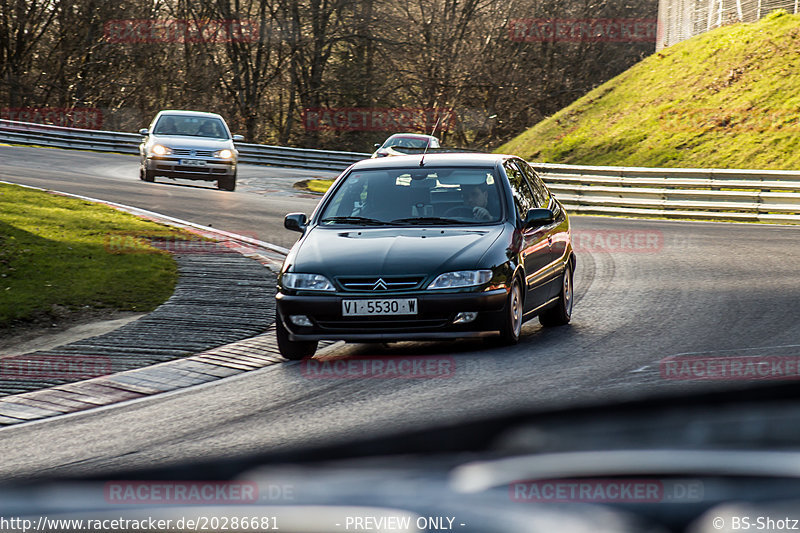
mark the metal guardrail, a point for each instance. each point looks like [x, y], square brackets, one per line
[703, 194]
[128, 143]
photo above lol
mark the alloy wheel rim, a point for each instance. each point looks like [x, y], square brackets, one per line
[516, 314]
[568, 292]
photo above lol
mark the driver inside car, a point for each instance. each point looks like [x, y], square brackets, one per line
[477, 197]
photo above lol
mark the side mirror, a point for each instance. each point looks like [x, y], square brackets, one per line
[295, 222]
[144, 131]
[238, 138]
[377, 145]
[538, 217]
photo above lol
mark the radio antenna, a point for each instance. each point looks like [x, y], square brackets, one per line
[427, 144]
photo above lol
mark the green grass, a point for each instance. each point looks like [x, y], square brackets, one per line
[59, 252]
[725, 99]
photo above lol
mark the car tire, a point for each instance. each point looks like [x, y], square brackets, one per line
[292, 350]
[147, 175]
[228, 183]
[511, 326]
[561, 313]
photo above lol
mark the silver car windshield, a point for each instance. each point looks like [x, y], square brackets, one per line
[410, 142]
[435, 196]
[191, 126]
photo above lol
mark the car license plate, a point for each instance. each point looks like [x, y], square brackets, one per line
[193, 162]
[397, 306]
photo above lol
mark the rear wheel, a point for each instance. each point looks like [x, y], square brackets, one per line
[561, 313]
[292, 350]
[512, 322]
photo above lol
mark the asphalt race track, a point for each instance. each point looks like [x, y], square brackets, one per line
[645, 290]
[114, 177]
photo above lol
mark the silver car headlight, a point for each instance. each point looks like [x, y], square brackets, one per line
[306, 282]
[461, 278]
[224, 154]
[159, 149]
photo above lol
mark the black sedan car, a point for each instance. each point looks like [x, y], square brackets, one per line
[425, 247]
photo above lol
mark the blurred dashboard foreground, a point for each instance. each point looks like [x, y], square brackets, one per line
[723, 461]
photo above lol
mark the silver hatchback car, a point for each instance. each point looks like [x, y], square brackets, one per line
[190, 145]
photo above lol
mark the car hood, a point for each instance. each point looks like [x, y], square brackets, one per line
[392, 251]
[196, 143]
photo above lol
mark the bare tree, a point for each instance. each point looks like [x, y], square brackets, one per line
[437, 54]
[23, 24]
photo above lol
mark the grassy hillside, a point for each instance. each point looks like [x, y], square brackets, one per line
[729, 98]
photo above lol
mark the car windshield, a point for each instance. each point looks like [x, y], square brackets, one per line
[191, 126]
[410, 142]
[435, 196]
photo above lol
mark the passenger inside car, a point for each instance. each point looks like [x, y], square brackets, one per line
[209, 129]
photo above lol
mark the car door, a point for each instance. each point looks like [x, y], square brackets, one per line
[557, 232]
[535, 249]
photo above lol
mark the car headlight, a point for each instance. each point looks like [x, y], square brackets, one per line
[160, 150]
[224, 154]
[461, 278]
[306, 282]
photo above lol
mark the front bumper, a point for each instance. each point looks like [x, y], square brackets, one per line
[433, 321]
[171, 167]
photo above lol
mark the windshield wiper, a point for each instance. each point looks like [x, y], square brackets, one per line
[428, 220]
[356, 220]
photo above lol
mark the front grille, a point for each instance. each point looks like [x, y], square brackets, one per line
[195, 170]
[197, 153]
[384, 324]
[373, 283]
[191, 170]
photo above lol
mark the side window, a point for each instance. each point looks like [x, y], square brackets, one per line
[539, 189]
[523, 196]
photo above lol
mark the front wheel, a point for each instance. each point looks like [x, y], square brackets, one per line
[292, 350]
[561, 313]
[512, 322]
[228, 183]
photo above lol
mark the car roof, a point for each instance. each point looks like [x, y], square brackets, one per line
[431, 159]
[185, 112]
